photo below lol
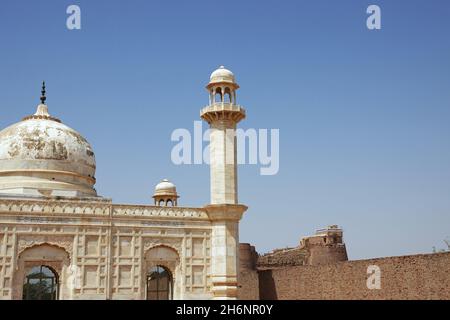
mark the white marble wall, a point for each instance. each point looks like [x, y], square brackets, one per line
[109, 248]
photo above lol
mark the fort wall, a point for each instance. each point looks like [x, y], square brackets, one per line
[424, 276]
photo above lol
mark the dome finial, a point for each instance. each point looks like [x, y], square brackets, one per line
[42, 109]
[43, 97]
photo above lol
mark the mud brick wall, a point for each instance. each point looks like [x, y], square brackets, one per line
[406, 277]
[291, 257]
[248, 285]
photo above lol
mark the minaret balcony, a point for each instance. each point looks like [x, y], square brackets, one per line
[222, 110]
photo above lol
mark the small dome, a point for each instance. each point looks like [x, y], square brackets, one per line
[222, 75]
[165, 187]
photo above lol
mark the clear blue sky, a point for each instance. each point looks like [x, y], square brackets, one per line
[363, 115]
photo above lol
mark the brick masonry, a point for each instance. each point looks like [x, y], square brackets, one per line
[405, 277]
[284, 257]
[248, 285]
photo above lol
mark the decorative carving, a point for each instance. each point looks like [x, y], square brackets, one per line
[54, 206]
[152, 211]
[174, 243]
[102, 208]
[28, 241]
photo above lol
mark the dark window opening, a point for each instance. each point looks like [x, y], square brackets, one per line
[218, 96]
[227, 96]
[41, 283]
[159, 284]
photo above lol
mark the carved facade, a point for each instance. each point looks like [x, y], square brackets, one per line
[104, 251]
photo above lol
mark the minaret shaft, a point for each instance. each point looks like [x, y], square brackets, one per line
[223, 162]
[222, 115]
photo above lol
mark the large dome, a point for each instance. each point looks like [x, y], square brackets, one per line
[43, 157]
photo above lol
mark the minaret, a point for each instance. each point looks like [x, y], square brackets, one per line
[222, 115]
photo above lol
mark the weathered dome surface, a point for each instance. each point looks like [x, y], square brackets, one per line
[42, 156]
[165, 187]
[222, 75]
[47, 144]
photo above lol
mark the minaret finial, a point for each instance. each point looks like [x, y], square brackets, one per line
[43, 97]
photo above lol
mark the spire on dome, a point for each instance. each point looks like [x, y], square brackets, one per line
[42, 109]
[43, 97]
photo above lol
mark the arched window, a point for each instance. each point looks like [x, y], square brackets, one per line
[159, 284]
[218, 95]
[161, 202]
[227, 96]
[169, 203]
[41, 283]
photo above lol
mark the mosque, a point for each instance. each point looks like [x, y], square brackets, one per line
[59, 239]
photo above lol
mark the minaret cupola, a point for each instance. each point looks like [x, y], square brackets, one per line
[166, 194]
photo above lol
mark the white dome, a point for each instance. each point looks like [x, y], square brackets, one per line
[222, 75]
[41, 156]
[165, 187]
